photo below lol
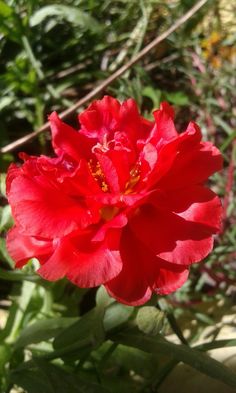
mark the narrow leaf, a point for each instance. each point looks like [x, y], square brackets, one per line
[194, 358]
[42, 331]
[70, 14]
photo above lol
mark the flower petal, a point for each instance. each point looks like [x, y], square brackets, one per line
[43, 210]
[171, 237]
[12, 173]
[66, 140]
[84, 263]
[167, 153]
[194, 203]
[118, 221]
[143, 272]
[131, 286]
[164, 129]
[168, 277]
[193, 164]
[109, 171]
[121, 162]
[100, 118]
[148, 161]
[21, 248]
[132, 123]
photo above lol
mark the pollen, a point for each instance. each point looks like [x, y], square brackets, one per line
[98, 175]
[104, 186]
[134, 178]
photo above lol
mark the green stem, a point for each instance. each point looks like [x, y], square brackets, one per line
[35, 63]
[166, 370]
[176, 328]
[173, 323]
[37, 66]
[17, 276]
[107, 354]
[216, 344]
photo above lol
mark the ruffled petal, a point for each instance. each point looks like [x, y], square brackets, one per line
[200, 205]
[100, 118]
[118, 221]
[80, 182]
[110, 172]
[164, 128]
[147, 163]
[104, 117]
[192, 165]
[132, 123]
[143, 273]
[21, 248]
[43, 210]
[168, 277]
[84, 263]
[172, 237]
[122, 163]
[66, 140]
[12, 173]
[194, 203]
[131, 286]
[169, 151]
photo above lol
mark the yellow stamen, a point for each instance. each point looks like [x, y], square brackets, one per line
[134, 178]
[98, 175]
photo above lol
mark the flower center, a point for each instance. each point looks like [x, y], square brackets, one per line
[108, 212]
[98, 175]
[134, 178]
[101, 147]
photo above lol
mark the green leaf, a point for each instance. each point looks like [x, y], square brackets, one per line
[218, 120]
[117, 314]
[194, 358]
[65, 382]
[32, 381]
[204, 318]
[3, 184]
[102, 297]
[5, 354]
[5, 10]
[150, 320]
[4, 274]
[13, 275]
[86, 333]
[153, 94]
[43, 377]
[140, 362]
[70, 14]
[178, 98]
[6, 220]
[6, 101]
[42, 331]
[9, 25]
[217, 344]
[227, 141]
[22, 305]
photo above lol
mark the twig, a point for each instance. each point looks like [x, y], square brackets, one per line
[136, 36]
[164, 60]
[71, 70]
[110, 79]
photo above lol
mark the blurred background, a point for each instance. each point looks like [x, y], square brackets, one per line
[51, 56]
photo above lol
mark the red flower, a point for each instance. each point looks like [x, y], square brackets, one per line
[123, 203]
